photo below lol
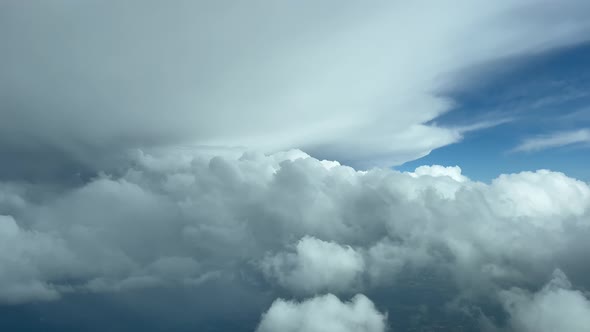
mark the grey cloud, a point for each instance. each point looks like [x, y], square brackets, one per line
[290, 225]
[555, 307]
[342, 80]
[26, 272]
[316, 266]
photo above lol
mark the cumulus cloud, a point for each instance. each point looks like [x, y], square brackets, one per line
[519, 195]
[354, 82]
[323, 313]
[288, 223]
[316, 266]
[28, 262]
[556, 307]
[454, 172]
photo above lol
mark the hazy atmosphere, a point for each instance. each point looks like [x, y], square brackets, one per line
[295, 166]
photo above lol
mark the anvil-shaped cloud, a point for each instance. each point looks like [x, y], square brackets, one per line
[351, 81]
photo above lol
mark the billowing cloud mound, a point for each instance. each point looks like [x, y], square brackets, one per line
[323, 314]
[287, 221]
[296, 226]
[24, 265]
[316, 266]
[454, 172]
[556, 307]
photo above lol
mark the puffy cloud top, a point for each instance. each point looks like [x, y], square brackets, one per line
[542, 194]
[555, 307]
[292, 225]
[323, 314]
[454, 172]
[316, 266]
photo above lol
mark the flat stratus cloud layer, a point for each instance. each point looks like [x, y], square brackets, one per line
[344, 80]
[299, 228]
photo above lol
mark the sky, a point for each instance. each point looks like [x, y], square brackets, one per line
[543, 100]
[298, 166]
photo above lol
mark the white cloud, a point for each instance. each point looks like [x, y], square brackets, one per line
[556, 307]
[323, 313]
[541, 195]
[554, 140]
[291, 226]
[454, 172]
[316, 266]
[343, 80]
[304, 226]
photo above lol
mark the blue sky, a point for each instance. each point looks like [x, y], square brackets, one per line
[538, 95]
